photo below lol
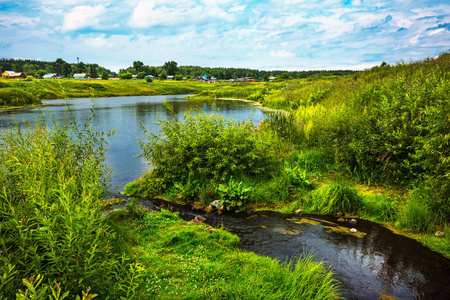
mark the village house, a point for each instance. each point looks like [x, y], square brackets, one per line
[17, 75]
[170, 77]
[79, 76]
[49, 76]
[7, 73]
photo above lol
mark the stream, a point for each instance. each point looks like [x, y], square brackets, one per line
[372, 264]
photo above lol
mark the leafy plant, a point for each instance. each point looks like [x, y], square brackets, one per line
[234, 195]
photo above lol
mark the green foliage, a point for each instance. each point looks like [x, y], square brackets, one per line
[4, 84]
[284, 76]
[105, 76]
[148, 79]
[125, 76]
[417, 215]
[234, 195]
[16, 97]
[285, 125]
[297, 177]
[208, 147]
[29, 78]
[337, 197]
[41, 73]
[52, 182]
[380, 208]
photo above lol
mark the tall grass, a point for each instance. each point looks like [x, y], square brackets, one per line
[52, 180]
[339, 196]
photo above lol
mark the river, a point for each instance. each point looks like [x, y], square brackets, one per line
[378, 264]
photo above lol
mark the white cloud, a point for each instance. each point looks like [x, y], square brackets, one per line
[237, 8]
[437, 31]
[67, 2]
[282, 53]
[9, 20]
[82, 16]
[216, 2]
[152, 13]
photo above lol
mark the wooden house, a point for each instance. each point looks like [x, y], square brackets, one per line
[7, 73]
[17, 75]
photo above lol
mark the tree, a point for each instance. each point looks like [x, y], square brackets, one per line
[126, 76]
[93, 70]
[105, 75]
[41, 73]
[178, 77]
[171, 67]
[66, 70]
[141, 75]
[81, 67]
[138, 65]
[284, 76]
[58, 65]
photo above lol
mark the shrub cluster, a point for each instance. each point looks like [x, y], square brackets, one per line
[16, 97]
[205, 150]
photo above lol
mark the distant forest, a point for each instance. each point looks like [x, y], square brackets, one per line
[65, 69]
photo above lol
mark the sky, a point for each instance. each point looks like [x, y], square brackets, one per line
[265, 35]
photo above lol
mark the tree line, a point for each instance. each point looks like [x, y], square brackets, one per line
[221, 73]
[39, 68]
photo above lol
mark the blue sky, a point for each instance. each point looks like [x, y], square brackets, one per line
[268, 34]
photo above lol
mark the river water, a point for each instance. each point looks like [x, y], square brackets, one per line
[376, 264]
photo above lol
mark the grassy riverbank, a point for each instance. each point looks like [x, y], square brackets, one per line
[57, 242]
[375, 144]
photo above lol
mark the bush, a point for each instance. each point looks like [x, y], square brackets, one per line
[29, 78]
[16, 97]
[208, 148]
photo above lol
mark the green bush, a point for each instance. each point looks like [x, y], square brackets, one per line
[16, 97]
[208, 148]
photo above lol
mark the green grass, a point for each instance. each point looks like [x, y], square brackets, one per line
[184, 261]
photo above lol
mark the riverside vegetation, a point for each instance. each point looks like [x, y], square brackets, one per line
[376, 144]
[57, 243]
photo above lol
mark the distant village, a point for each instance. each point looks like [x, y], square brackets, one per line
[84, 76]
